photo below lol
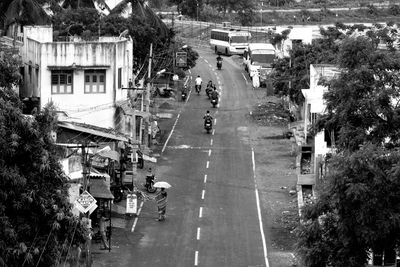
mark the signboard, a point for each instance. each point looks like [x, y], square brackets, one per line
[131, 204]
[85, 202]
[181, 59]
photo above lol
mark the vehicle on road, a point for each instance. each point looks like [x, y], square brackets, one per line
[214, 102]
[219, 64]
[229, 41]
[197, 87]
[258, 59]
[149, 185]
[208, 126]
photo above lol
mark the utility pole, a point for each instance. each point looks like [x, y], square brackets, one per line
[148, 88]
[85, 173]
[173, 50]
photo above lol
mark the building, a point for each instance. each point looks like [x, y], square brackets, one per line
[313, 147]
[298, 34]
[84, 79]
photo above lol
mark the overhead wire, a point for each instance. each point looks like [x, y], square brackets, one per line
[44, 248]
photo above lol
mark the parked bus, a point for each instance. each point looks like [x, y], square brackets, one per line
[258, 59]
[229, 41]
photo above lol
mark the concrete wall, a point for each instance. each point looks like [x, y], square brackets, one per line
[41, 56]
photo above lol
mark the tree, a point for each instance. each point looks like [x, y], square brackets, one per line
[296, 68]
[25, 12]
[245, 12]
[357, 209]
[36, 223]
[9, 70]
[363, 101]
[191, 8]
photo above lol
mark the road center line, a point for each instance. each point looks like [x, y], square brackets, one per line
[211, 142]
[198, 233]
[209, 152]
[259, 210]
[137, 216]
[201, 212]
[196, 258]
[208, 164]
[215, 121]
[205, 178]
[202, 194]
[244, 77]
[213, 131]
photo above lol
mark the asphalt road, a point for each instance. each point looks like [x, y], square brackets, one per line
[212, 213]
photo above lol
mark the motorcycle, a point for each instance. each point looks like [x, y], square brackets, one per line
[119, 192]
[214, 102]
[149, 185]
[219, 64]
[208, 125]
[198, 88]
[184, 95]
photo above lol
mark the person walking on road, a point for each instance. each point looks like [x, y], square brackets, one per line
[102, 229]
[161, 199]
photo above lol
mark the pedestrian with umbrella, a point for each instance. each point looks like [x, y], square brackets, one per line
[161, 199]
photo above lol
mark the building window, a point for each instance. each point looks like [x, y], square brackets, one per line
[119, 77]
[95, 81]
[61, 82]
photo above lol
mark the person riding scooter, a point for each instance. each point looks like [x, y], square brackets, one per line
[208, 121]
[210, 87]
[197, 83]
[214, 97]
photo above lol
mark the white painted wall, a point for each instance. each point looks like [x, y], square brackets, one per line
[296, 33]
[109, 54]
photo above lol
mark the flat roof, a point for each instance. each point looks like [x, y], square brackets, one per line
[260, 46]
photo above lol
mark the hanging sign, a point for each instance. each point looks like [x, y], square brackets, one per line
[85, 202]
[181, 59]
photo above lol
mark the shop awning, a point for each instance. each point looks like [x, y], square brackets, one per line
[99, 189]
[93, 174]
[73, 130]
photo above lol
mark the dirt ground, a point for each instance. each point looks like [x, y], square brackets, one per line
[276, 177]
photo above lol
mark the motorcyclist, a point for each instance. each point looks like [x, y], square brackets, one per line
[198, 81]
[209, 88]
[207, 118]
[214, 94]
[219, 61]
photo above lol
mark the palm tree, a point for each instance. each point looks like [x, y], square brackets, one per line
[24, 12]
[141, 10]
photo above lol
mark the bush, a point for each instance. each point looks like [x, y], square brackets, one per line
[394, 10]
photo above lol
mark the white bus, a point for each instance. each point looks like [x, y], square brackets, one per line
[258, 59]
[229, 42]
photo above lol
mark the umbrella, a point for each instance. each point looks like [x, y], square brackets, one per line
[162, 185]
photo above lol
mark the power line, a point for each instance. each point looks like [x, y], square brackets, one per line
[44, 248]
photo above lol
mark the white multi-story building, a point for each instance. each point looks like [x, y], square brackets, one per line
[314, 105]
[82, 78]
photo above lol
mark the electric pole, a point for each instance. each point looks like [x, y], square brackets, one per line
[148, 88]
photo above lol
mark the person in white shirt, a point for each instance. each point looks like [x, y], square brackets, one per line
[198, 80]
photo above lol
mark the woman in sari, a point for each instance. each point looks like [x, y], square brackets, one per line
[161, 199]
